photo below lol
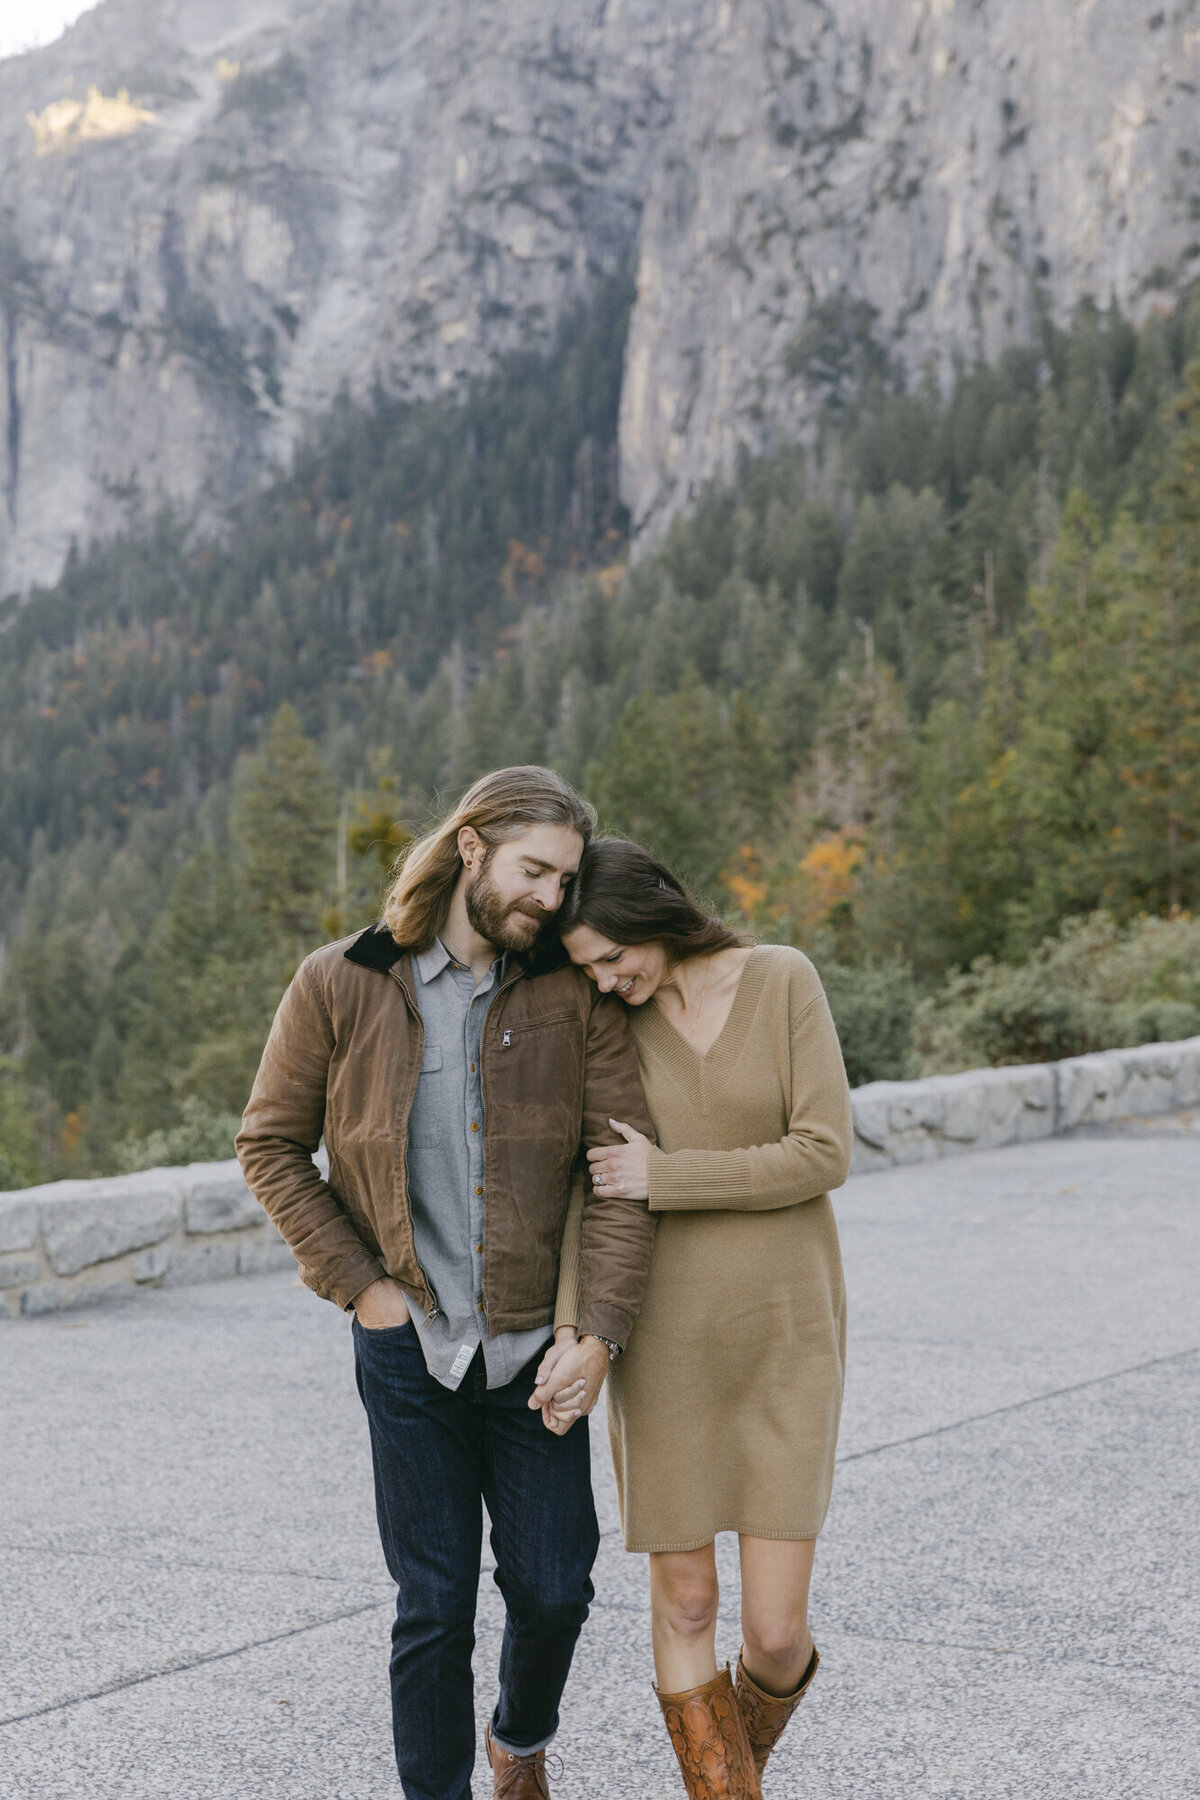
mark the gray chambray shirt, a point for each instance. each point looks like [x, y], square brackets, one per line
[445, 1175]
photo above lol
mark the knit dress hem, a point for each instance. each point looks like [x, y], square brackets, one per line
[702, 1543]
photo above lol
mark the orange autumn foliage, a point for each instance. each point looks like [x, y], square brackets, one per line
[830, 870]
[745, 883]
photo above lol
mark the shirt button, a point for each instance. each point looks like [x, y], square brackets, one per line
[472, 1068]
[474, 1126]
[479, 1249]
[481, 1306]
[479, 1190]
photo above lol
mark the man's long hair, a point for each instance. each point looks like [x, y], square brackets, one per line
[499, 806]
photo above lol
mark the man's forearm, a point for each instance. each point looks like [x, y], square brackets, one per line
[307, 1214]
[281, 1129]
[618, 1238]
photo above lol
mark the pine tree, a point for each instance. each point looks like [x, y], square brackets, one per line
[1162, 735]
[283, 824]
[1066, 792]
[666, 780]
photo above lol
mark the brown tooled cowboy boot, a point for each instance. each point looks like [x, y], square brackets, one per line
[516, 1777]
[710, 1741]
[766, 1715]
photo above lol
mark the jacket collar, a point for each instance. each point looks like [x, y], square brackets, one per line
[376, 948]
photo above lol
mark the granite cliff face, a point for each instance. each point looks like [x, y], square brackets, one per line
[215, 214]
[916, 179]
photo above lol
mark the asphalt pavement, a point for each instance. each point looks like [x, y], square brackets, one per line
[1007, 1595]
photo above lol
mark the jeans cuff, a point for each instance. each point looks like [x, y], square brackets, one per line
[521, 1749]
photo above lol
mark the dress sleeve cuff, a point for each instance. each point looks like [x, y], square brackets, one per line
[696, 1180]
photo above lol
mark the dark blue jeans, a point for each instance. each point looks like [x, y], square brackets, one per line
[438, 1456]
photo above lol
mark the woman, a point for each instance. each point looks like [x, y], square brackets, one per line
[724, 1410]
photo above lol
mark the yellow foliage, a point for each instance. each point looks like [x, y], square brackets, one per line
[98, 118]
[744, 882]
[801, 896]
[72, 1131]
[808, 893]
[610, 578]
[831, 867]
[523, 562]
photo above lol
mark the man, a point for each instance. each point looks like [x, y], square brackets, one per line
[454, 1066]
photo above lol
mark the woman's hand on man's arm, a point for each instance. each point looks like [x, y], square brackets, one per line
[621, 1171]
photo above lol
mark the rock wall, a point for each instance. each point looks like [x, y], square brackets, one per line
[983, 1109]
[74, 1243]
[216, 213]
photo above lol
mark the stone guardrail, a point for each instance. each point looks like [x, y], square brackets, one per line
[72, 1243]
[982, 1109]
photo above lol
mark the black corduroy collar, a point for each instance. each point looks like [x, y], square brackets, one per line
[376, 948]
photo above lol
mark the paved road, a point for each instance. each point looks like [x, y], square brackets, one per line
[1007, 1599]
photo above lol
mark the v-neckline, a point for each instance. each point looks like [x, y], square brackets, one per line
[703, 1057]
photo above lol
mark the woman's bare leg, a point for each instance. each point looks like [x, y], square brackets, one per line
[777, 1644]
[683, 1615]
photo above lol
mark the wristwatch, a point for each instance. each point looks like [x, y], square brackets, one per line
[614, 1350]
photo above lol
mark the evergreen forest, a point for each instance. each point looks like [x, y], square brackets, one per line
[920, 695]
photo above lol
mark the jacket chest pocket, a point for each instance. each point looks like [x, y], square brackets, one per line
[538, 1063]
[515, 1037]
[425, 1120]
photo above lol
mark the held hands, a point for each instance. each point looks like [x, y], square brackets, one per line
[569, 1379]
[622, 1171]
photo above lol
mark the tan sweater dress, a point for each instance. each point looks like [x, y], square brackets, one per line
[723, 1412]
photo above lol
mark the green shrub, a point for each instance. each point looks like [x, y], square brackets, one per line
[200, 1136]
[20, 1164]
[873, 1008]
[1092, 987]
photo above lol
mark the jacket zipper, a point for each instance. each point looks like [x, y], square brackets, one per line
[505, 1044]
[436, 1311]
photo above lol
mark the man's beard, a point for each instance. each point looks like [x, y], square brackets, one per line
[507, 926]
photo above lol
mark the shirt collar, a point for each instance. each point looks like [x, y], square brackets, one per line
[430, 963]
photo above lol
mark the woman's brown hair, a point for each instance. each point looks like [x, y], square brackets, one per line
[499, 806]
[629, 896]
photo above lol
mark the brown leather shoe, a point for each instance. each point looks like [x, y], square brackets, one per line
[766, 1715]
[516, 1777]
[710, 1741]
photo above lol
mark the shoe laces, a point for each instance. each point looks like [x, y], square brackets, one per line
[542, 1766]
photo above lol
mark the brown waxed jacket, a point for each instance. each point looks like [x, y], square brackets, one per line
[342, 1061]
